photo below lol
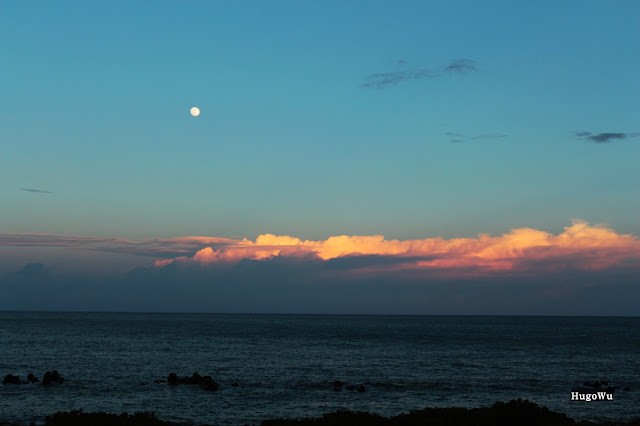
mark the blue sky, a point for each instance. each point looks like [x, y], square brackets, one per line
[95, 99]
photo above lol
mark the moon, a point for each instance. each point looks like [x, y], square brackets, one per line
[195, 111]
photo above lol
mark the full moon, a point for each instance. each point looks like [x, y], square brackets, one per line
[195, 111]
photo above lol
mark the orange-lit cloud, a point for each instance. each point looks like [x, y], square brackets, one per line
[525, 250]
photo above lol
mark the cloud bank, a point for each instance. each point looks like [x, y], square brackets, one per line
[583, 270]
[521, 251]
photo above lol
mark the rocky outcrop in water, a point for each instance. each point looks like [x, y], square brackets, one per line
[10, 379]
[609, 388]
[52, 378]
[205, 382]
[337, 387]
[208, 384]
[172, 379]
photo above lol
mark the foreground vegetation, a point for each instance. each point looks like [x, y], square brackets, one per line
[518, 412]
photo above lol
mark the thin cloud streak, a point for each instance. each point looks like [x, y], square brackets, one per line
[39, 191]
[490, 136]
[458, 137]
[157, 247]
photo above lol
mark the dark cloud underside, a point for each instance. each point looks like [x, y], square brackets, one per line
[605, 137]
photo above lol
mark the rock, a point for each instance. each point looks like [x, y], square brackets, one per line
[610, 389]
[46, 379]
[337, 386]
[205, 382]
[52, 377]
[143, 383]
[172, 379]
[208, 384]
[195, 379]
[361, 388]
[235, 384]
[351, 387]
[32, 378]
[604, 382]
[588, 384]
[10, 379]
[597, 385]
[627, 388]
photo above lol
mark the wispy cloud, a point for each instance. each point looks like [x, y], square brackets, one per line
[386, 79]
[39, 191]
[458, 138]
[461, 66]
[157, 247]
[490, 136]
[605, 137]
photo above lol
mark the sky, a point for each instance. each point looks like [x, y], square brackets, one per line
[453, 157]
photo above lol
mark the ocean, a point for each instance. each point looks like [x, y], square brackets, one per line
[286, 365]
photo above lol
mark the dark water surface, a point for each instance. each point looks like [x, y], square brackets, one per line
[285, 365]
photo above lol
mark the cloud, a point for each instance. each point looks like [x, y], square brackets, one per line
[158, 247]
[32, 269]
[583, 270]
[490, 136]
[605, 137]
[386, 79]
[39, 191]
[521, 251]
[461, 66]
[458, 138]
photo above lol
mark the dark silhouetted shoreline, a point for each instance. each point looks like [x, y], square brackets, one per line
[520, 412]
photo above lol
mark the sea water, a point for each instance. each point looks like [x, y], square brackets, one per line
[285, 365]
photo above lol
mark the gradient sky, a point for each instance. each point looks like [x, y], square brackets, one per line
[318, 119]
